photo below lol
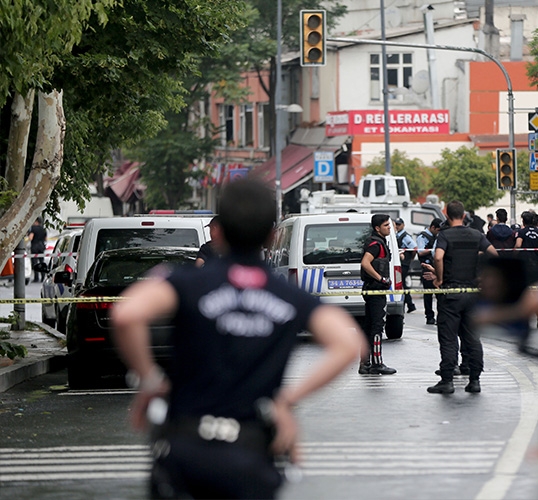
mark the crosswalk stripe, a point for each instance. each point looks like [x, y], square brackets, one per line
[320, 458]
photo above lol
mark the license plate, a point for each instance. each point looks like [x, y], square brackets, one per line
[344, 284]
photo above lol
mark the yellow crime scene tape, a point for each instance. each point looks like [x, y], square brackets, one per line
[415, 291]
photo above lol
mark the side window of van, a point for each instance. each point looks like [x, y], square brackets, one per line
[285, 246]
[421, 218]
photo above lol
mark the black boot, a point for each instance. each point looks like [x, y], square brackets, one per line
[442, 387]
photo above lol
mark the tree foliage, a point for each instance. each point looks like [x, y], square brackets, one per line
[417, 174]
[123, 78]
[466, 176]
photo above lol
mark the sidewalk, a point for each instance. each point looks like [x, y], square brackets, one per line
[46, 352]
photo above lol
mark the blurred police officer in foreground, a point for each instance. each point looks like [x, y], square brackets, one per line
[236, 325]
[456, 266]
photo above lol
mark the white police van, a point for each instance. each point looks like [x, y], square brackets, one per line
[322, 253]
[139, 231]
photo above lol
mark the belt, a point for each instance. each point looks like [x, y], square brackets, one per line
[247, 433]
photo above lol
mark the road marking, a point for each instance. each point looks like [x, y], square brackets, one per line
[379, 458]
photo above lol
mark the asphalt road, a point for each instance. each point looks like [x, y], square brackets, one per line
[366, 437]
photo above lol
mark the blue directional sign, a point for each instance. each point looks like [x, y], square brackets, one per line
[323, 166]
[532, 162]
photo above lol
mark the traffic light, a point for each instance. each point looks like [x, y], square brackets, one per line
[313, 32]
[506, 168]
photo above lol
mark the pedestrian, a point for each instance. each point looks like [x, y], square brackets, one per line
[38, 237]
[375, 273]
[425, 250]
[211, 249]
[456, 266]
[408, 250]
[476, 222]
[527, 238]
[501, 235]
[236, 324]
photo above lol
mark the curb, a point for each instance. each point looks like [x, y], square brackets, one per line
[15, 374]
[27, 368]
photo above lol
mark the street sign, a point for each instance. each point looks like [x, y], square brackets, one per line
[323, 166]
[533, 181]
[532, 141]
[533, 122]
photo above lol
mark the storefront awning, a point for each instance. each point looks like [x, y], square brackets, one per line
[297, 166]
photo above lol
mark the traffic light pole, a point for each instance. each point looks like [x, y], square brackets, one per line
[359, 41]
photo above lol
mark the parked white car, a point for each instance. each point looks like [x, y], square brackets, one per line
[186, 231]
[66, 245]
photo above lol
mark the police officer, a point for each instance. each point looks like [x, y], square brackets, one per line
[456, 261]
[408, 248]
[236, 325]
[375, 272]
[425, 243]
[527, 237]
[210, 250]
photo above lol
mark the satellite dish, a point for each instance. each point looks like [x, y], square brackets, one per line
[421, 82]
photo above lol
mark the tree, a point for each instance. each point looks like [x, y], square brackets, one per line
[466, 176]
[118, 80]
[417, 174]
[35, 37]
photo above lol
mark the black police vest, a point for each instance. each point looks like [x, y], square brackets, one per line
[427, 259]
[460, 261]
[380, 264]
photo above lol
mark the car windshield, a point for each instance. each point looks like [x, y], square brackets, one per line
[110, 239]
[334, 243]
[125, 269]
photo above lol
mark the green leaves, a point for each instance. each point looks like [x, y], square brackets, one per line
[12, 351]
[466, 176]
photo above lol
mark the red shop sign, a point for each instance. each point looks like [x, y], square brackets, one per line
[370, 122]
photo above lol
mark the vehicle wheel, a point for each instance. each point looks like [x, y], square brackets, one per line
[394, 326]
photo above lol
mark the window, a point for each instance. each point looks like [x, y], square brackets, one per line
[366, 188]
[379, 187]
[399, 73]
[400, 187]
[226, 122]
[264, 130]
[334, 243]
[247, 125]
[422, 218]
[110, 239]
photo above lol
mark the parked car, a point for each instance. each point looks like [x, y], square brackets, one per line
[138, 231]
[322, 254]
[91, 352]
[67, 245]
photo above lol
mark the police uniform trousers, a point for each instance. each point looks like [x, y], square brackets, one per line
[374, 323]
[428, 298]
[185, 466]
[408, 300]
[453, 319]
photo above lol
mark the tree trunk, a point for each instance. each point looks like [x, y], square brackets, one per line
[46, 167]
[19, 131]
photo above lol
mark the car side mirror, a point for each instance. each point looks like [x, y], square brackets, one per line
[63, 277]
